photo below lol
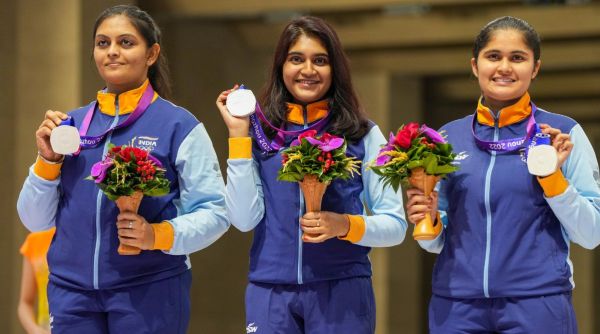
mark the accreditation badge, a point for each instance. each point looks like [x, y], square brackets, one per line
[64, 139]
[542, 160]
[241, 103]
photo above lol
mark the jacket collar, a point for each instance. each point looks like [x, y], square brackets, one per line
[127, 100]
[314, 112]
[508, 115]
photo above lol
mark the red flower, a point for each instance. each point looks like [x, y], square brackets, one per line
[309, 133]
[407, 134]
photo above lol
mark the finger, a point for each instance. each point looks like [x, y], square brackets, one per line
[312, 229]
[413, 192]
[48, 124]
[55, 116]
[43, 132]
[311, 215]
[129, 242]
[127, 224]
[128, 216]
[315, 239]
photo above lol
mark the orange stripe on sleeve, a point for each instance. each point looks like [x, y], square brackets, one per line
[554, 184]
[46, 170]
[357, 228]
[164, 235]
[240, 148]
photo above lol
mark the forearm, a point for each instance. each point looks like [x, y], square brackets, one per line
[243, 194]
[38, 202]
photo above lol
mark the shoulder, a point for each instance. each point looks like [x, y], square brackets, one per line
[562, 122]
[176, 112]
[458, 124]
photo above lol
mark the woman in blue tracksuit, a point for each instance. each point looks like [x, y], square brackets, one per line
[503, 263]
[92, 288]
[319, 283]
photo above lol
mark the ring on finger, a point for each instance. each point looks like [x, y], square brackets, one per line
[130, 224]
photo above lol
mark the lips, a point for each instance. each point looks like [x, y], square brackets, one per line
[503, 80]
[307, 83]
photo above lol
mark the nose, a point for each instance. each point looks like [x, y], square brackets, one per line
[504, 66]
[308, 68]
[113, 50]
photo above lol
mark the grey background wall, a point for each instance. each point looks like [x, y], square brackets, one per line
[410, 61]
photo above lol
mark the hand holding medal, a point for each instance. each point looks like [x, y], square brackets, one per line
[64, 139]
[52, 119]
[549, 151]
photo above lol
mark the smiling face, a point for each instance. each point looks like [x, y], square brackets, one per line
[121, 54]
[307, 71]
[504, 68]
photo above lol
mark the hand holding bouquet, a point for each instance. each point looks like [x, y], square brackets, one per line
[127, 174]
[314, 161]
[417, 156]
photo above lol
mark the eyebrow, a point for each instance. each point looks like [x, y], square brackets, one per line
[122, 35]
[302, 54]
[512, 52]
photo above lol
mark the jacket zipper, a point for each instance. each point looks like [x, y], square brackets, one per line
[301, 213]
[99, 199]
[488, 211]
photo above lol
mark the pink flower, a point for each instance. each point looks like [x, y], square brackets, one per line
[432, 134]
[99, 170]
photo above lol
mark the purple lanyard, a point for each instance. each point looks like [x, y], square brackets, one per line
[509, 145]
[263, 142]
[93, 141]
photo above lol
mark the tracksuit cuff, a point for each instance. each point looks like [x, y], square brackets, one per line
[164, 234]
[554, 184]
[240, 148]
[47, 170]
[357, 228]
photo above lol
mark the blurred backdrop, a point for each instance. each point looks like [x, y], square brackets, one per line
[410, 62]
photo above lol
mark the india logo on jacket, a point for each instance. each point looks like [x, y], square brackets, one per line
[144, 142]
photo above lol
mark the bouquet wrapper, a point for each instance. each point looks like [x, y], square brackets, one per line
[129, 204]
[313, 191]
[424, 229]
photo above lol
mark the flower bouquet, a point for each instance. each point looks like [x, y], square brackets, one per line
[127, 174]
[314, 161]
[417, 156]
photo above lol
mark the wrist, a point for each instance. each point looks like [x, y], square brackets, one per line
[345, 227]
[57, 159]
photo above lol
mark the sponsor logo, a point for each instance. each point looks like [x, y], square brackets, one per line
[460, 156]
[145, 142]
[251, 328]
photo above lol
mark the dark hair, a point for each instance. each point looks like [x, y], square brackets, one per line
[531, 37]
[347, 117]
[158, 73]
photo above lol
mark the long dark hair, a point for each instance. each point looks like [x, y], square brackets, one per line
[347, 116]
[158, 73]
[530, 36]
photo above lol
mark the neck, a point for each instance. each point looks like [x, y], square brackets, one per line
[495, 106]
[122, 88]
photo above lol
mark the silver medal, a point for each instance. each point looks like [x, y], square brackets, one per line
[241, 103]
[542, 160]
[64, 139]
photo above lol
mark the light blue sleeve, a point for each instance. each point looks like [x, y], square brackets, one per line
[244, 194]
[386, 226]
[38, 202]
[201, 217]
[578, 208]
